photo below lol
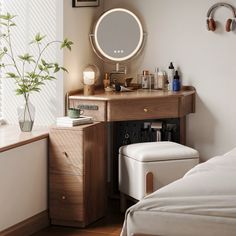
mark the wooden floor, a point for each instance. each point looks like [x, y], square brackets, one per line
[110, 225]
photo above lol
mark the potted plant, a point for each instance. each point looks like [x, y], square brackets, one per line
[29, 72]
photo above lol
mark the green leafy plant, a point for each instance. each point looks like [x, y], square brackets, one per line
[41, 70]
[29, 72]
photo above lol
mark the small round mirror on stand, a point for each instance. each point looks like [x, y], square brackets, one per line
[118, 35]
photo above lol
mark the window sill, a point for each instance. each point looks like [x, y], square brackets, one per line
[12, 137]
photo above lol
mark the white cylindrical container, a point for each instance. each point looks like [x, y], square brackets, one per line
[171, 73]
[156, 78]
[160, 80]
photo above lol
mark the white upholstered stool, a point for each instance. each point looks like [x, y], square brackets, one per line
[146, 167]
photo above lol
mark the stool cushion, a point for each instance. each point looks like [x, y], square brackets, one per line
[158, 151]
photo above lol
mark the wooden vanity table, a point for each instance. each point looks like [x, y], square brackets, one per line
[139, 105]
[78, 165]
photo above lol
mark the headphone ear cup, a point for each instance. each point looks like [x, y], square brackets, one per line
[229, 24]
[212, 24]
[207, 24]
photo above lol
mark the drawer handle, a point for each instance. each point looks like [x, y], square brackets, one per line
[145, 110]
[63, 197]
[66, 155]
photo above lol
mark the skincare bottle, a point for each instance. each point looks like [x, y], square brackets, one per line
[156, 78]
[171, 73]
[107, 84]
[160, 80]
[146, 80]
[166, 86]
[106, 81]
[176, 82]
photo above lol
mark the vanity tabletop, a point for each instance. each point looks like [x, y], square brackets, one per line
[136, 105]
[12, 137]
[134, 94]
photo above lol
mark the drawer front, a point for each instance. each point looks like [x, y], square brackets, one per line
[66, 200]
[143, 109]
[95, 109]
[66, 152]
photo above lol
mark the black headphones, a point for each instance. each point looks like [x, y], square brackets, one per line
[211, 24]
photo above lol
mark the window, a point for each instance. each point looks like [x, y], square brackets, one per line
[35, 16]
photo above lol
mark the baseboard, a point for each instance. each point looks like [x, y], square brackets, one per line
[28, 226]
[68, 223]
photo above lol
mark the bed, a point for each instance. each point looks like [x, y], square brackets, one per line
[202, 203]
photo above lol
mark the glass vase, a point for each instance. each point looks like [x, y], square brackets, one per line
[26, 114]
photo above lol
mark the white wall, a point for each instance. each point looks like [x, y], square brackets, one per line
[77, 26]
[23, 182]
[177, 32]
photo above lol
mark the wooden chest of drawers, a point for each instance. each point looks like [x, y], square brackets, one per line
[77, 178]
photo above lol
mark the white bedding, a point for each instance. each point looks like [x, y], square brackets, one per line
[202, 203]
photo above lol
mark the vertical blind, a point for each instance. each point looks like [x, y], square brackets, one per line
[35, 16]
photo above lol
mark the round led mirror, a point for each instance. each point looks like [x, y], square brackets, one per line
[118, 35]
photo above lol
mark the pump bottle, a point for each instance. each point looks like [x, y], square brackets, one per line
[171, 73]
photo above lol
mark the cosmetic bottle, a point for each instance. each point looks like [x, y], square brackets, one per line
[146, 80]
[160, 80]
[166, 86]
[171, 73]
[156, 78]
[106, 81]
[176, 82]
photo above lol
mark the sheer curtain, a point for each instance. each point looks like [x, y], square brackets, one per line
[35, 16]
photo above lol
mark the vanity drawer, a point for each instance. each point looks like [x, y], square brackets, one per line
[66, 200]
[66, 152]
[139, 109]
[95, 109]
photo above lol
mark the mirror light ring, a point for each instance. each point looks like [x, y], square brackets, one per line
[140, 39]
